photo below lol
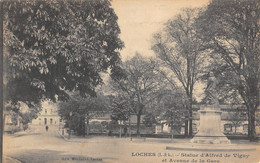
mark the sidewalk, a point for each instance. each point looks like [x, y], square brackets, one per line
[143, 140]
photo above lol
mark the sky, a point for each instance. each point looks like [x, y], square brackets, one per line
[140, 19]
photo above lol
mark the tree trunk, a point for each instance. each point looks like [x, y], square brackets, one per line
[190, 128]
[186, 127]
[251, 125]
[190, 122]
[138, 124]
[83, 125]
[171, 130]
[70, 126]
[87, 126]
[190, 113]
[129, 130]
[120, 129]
[171, 125]
[79, 129]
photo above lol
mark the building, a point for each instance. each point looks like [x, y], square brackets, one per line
[231, 121]
[48, 116]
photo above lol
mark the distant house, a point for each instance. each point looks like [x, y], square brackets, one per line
[230, 123]
[101, 117]
[11, 121]
[48, 116]
[106, 116]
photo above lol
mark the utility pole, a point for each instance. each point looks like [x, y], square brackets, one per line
[1, 80]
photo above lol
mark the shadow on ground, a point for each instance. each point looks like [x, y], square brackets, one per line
[27, 134]
[51, 156]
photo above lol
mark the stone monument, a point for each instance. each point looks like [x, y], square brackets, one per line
[210, 117]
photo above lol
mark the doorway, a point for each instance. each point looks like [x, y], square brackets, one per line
[45, 121]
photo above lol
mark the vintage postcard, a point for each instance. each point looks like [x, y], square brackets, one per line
[123, 81]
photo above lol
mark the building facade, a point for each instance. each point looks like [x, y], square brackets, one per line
[48, 116]
[231, 121]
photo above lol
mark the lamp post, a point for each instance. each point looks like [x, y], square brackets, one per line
[70, 124]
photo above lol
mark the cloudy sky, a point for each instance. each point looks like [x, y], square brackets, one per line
[140, 19]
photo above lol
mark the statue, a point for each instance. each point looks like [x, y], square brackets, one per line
[210, 131]
[211, 90]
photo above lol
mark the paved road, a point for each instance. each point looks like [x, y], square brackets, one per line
[41, 146]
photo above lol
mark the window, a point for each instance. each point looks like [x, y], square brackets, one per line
[228, 127]
[245, 127]
[194, 128]
[45, 111]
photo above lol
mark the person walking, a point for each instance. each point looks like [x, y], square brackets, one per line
[46, 128]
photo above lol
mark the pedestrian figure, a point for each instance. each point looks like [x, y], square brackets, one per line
[125, 131]
[109, 133]
[46, 128]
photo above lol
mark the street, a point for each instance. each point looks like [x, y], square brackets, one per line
[41, 146]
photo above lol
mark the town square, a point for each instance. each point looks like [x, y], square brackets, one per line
[130, 81]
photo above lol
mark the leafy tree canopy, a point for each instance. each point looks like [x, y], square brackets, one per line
[120, 108]
[58, 45]
[78, 110]
[149, 120]
[83, 107]
[139, 84]
[231, 31]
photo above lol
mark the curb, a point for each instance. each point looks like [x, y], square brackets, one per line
[83, 141]
[210, 150]
[62, 136]
[8, 159]
[66, 139]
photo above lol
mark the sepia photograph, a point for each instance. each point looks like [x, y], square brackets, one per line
[129, 81]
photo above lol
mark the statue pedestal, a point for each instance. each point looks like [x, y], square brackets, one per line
[210, 127]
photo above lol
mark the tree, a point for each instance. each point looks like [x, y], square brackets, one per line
[22, 113]
[173, 109]
[138, 86]
[78, 111]
[149, 119]
[55, 46]
[257, 118]
[230, 30]
[237, 117]
[120, 111]
[180, 50]
[27, 118]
